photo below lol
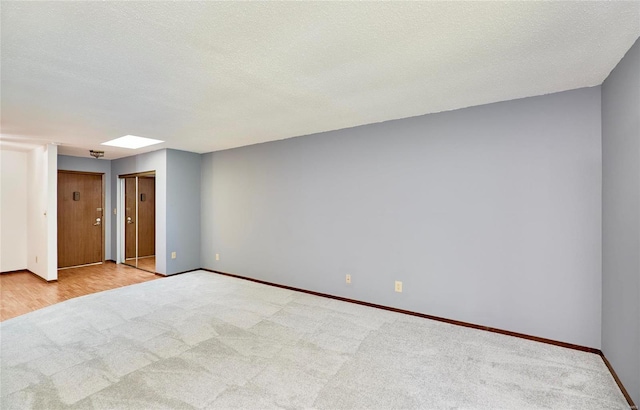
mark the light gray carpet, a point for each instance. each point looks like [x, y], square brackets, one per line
[202, 340]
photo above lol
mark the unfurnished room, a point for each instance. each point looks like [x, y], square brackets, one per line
[320, 205]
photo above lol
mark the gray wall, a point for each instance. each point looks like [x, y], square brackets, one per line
[177, 205]
[183, 211]
[490, 214]
[621, 220]
[68, 163]
[151, 161]
[177, 202]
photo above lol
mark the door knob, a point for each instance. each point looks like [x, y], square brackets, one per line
[97, 222]
[129, 221]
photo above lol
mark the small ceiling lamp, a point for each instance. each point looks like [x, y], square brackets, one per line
[96, 154]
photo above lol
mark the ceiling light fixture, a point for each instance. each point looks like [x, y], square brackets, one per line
[96, 154]
[131, 142]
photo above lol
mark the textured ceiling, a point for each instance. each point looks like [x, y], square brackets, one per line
[212, 76]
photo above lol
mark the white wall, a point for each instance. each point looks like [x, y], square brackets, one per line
[489, 215]
[42, 224]
[13, 210]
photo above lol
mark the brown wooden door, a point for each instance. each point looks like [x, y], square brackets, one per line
[146, 216]
[130, 217]
[80, 219]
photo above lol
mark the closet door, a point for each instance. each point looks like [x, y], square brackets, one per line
[130, 222]
[140, 221]
[146, 216]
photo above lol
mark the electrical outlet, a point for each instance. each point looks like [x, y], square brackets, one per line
[173, 255]
[398, 286]
[348, 279]
[115, 211]
[217, 256]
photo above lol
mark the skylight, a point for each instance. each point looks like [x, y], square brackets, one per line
[131, 142]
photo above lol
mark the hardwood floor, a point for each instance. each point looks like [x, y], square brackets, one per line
[23, 292]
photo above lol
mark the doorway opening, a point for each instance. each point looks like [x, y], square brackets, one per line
[139, 220]
[80, 218]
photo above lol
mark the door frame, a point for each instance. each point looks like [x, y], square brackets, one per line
[103, 218]
[120, 226]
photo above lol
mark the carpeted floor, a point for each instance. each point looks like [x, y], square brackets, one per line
[201, 340]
